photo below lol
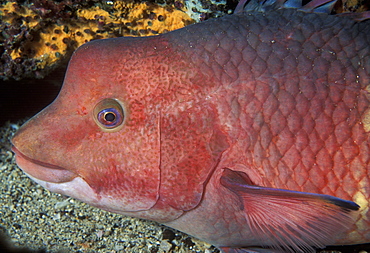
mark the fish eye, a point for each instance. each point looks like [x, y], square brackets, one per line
[109, 114]
[109, 117]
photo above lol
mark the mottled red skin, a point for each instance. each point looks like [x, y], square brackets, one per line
[282, 97]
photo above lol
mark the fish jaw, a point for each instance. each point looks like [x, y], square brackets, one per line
[56, 179]
[77, 184]
[65, 182]
[42, 171]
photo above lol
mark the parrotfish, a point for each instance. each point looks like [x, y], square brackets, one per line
[250, 131]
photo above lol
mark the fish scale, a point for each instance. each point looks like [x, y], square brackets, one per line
[332, 115]
[245, 131]
[341, 115]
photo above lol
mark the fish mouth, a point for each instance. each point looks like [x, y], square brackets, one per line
[41, 170]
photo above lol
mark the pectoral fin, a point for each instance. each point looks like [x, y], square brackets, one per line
[249, 250]
[290, 220]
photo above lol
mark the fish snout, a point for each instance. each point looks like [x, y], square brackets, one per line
[27, 149]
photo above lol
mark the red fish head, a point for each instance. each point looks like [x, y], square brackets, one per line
[119, 128]
[92, 135]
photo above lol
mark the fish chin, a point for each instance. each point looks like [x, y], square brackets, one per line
[76, 188]
[79, 189]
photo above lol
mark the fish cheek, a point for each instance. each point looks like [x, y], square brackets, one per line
[191, 146]
[122, 164]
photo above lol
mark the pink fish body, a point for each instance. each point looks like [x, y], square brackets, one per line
[244, 131]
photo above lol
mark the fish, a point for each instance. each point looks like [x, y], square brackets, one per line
[249, 131]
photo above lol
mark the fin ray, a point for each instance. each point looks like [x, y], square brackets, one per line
[289, 220]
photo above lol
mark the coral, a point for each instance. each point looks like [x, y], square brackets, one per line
[136, 19]
[352, 6]
[200, 10]
[39, 36]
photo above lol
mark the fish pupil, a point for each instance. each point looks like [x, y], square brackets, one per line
[110, 117]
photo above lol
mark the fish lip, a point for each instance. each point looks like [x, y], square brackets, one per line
[41, 170]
